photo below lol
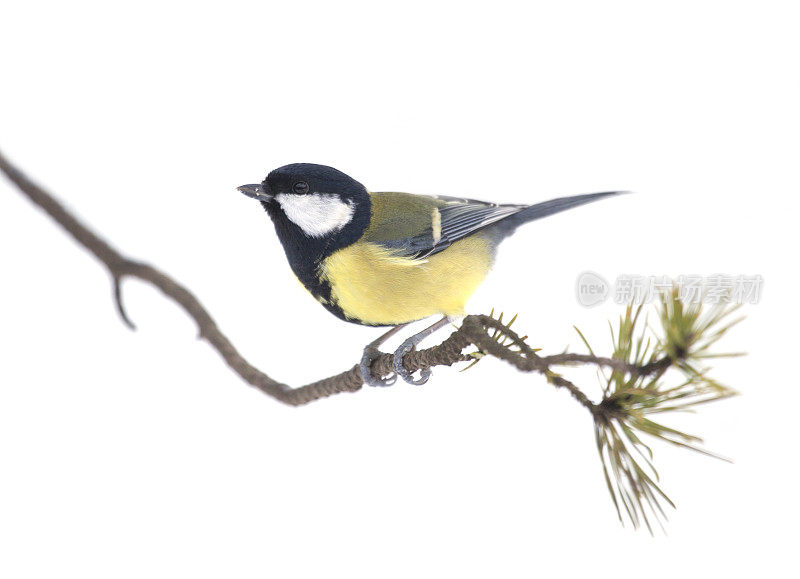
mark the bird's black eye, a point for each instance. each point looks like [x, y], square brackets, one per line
[300, 187]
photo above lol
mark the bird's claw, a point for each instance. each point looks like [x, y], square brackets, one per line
[371, 353]
[409, 346]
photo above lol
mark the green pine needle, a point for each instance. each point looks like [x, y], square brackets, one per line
[630, 399]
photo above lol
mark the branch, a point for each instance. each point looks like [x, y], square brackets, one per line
[474, 330]
[633, 390]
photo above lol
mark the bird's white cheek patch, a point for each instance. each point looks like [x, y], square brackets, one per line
[317, 214]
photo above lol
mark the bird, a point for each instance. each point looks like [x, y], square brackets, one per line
[389, 258]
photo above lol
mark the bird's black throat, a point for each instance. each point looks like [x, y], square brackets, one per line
[306, 253]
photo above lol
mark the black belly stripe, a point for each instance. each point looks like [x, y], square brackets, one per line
[321, 290]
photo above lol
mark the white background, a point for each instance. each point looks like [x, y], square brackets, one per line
[140, 454]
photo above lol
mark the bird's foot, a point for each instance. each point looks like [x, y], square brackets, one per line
[372, 353]
[409, 346]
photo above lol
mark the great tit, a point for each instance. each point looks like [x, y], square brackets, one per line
[388, 259]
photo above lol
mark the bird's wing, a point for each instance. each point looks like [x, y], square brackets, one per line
[437, 222]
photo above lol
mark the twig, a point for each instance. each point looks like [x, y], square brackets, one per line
[632, 394]
[472, 332]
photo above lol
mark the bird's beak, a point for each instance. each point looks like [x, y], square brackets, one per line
[256, 192]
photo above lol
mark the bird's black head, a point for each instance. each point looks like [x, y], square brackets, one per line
[308, 178]
[316, 210]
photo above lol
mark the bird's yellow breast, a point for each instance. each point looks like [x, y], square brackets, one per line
[373, 286]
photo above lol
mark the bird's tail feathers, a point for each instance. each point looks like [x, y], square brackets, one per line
[508, 225]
